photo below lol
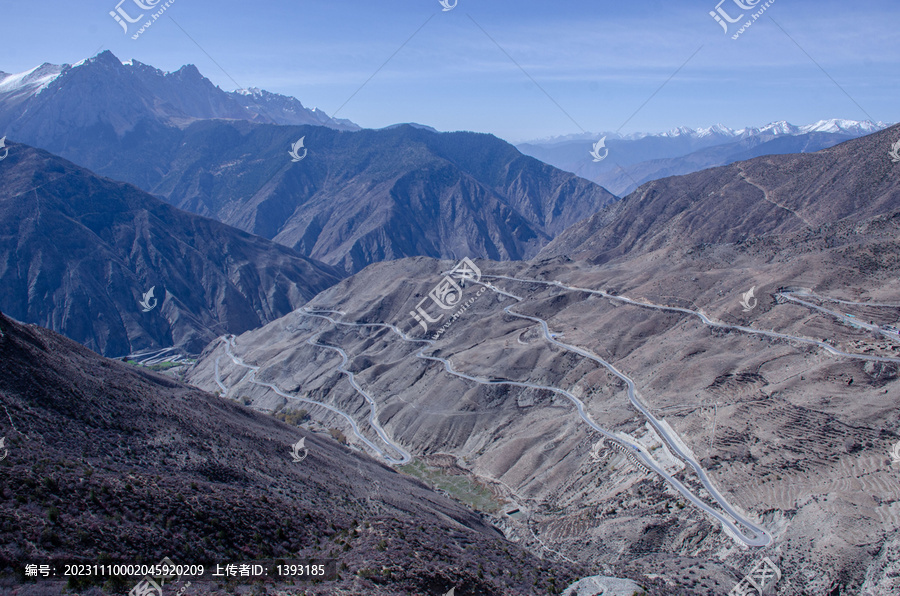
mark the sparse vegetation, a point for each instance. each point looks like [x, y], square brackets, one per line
[294, 417]
[161, 366]
[460, 487]
[338, 436]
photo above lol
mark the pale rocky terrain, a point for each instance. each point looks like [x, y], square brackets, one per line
[796, 438]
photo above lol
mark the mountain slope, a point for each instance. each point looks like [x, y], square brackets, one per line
[370, 196]
[359, 197]
[767, 195]
[794, 435]
[77, 253]
[106, 460]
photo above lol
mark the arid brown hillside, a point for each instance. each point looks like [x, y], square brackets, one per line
[796, 437]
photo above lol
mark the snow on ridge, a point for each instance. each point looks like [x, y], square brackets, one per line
[835, 125]
[31, 81]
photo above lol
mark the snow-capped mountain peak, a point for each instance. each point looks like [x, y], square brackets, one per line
[835, 125]
[173, 97]
[776, 129]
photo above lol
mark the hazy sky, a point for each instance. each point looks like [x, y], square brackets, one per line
[600, 61]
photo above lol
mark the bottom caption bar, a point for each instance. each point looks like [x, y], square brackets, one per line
[154, 575]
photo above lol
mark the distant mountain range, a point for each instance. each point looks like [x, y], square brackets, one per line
[775, 194]
[720, 131]
[78, 253]
[638, 158]
[357, 198]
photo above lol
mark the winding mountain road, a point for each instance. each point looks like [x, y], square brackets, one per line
[404, 456]
[757, 536]
[742, 529]
[848, 319]
[706, 320]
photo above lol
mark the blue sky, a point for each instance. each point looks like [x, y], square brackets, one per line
[600, 61]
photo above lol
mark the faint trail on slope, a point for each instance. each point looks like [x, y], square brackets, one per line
[218, 382]
[766, 196]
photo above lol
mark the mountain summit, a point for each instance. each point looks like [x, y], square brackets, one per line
[49, 97]
[361, 197]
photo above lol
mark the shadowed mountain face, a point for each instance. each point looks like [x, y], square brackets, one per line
[774, 194]
[78, 253]
[356, 198]
[361, 197]
[107, 461]
[369, 196]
